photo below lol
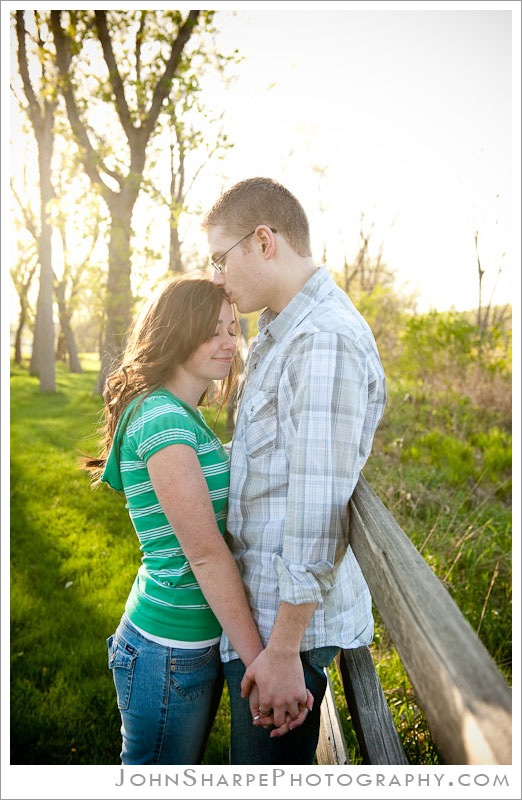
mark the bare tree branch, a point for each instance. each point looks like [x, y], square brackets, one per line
[163, 85]
[92, 160]
[29, 220]
[116, 82]
[139, 39]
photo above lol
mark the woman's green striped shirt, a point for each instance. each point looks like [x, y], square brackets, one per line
[165, 599]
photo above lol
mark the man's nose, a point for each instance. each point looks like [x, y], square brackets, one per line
[218, 278]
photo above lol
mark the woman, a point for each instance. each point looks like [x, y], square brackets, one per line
[174, 473]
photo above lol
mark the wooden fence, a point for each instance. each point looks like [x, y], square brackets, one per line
[464, 697]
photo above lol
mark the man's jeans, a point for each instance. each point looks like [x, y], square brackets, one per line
[252, 745]
[167, 697]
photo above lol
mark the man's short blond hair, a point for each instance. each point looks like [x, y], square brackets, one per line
[262, 201]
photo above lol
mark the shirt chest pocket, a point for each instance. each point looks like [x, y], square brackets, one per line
[260, 423]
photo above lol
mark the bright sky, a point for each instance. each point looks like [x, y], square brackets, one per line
[408, 114]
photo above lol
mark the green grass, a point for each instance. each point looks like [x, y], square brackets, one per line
[74, 556]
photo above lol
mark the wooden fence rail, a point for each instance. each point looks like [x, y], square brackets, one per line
[464, 697]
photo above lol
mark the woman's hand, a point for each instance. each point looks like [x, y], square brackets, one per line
[263, 718]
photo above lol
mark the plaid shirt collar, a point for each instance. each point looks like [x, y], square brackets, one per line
[276, 326]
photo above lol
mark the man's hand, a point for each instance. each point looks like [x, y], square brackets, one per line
[281, 691]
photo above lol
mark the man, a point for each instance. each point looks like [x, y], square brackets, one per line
[313, 396]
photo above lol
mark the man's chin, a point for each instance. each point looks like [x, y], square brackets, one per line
[243, 307]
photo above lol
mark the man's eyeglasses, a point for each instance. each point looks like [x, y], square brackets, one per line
[216, 263]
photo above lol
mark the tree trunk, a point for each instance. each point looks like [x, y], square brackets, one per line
[66, 340]
[72, 350]
[61, 347]
[42, 120]
[176, 191]
[18, 341]
[42, 358]
[118, 285]
[175, 263]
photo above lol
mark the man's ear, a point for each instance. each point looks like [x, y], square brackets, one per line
[265, 237]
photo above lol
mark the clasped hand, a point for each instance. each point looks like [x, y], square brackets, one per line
[277, 693]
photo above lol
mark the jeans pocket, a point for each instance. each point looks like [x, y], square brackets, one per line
[122, 663]
[322, 656]
[194, 672]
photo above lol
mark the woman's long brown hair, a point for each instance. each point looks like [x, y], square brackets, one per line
[170, 329]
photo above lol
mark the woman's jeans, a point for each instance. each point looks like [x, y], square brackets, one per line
[253, 745]
[167, 697]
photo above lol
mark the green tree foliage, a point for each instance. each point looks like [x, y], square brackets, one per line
[183, 129]
[142, 51]
[445, 352]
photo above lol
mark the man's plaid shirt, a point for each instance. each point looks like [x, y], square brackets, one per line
[313, 396]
